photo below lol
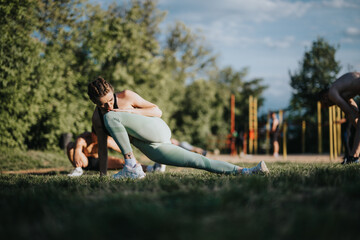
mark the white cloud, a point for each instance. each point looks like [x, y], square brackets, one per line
[285, 43]
[357, 67]
[346, 40]
[223, 35]
[241, 10]
[352, 31]
[339, 4]
[306, 44]
[224, 32]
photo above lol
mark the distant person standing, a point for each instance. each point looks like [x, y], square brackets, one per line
[274, 134]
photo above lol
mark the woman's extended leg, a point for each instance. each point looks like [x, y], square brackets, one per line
[152, 137]
[170, 154]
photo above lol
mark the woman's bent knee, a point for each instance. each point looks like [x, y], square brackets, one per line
[109, 116]
[115, 116]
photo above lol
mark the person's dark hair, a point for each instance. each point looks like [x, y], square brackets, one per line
[98, 88]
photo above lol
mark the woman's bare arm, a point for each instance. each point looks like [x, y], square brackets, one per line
[112, 144]
[140, 105]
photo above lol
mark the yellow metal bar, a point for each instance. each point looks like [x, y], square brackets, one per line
[334, 132]
[268, 135]
[303, 135]
[343, 145]
[319, 127]
[331, 133]
[284, 141]
[281, 118]
[338, 113]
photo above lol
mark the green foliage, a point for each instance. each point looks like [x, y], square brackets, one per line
[19, 57]
[51, 49]
[318, 70]
[205, 109]
[296, 201]
[234, 82]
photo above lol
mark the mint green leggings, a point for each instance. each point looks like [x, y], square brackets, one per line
[152, 136]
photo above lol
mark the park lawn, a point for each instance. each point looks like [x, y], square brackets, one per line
[294, 201]
[16, 159]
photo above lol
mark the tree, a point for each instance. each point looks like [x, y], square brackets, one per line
[51, 49]
[186, 60]
[54, 91]
[317, 71]
[235, 83]
[205, 109]
[19, 56]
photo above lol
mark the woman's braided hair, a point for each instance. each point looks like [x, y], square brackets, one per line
[98, 88]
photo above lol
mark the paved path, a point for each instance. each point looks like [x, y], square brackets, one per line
[301, 158]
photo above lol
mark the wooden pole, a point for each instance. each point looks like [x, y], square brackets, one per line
[281, 118]
[331, 133]
[334, 132]
[233, 148]
[303, 135]
[284, 141]
[338, 126]
[319, 127]
[343, 145]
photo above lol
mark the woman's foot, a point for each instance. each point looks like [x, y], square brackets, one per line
[135, 172]
[260, 168]
[77, 172]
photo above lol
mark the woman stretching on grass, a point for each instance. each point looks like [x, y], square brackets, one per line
[127, 117]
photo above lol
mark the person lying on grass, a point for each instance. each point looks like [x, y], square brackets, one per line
[188, 146]
[127, 117]
[341, 93]
[83, 154]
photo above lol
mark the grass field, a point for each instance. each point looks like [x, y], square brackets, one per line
[295, 201]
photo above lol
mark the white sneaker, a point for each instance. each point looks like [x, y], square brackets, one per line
[135, 172]
[77, 172]
[157, 167]
[260, 168]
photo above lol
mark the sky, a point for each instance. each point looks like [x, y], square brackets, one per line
[269, 37]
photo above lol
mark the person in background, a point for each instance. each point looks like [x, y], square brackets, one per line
[189, 147]
[342, 93]
[83, 155]
[274, 134]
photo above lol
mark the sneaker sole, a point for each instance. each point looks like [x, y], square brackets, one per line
[264, 168]
[141, 177]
